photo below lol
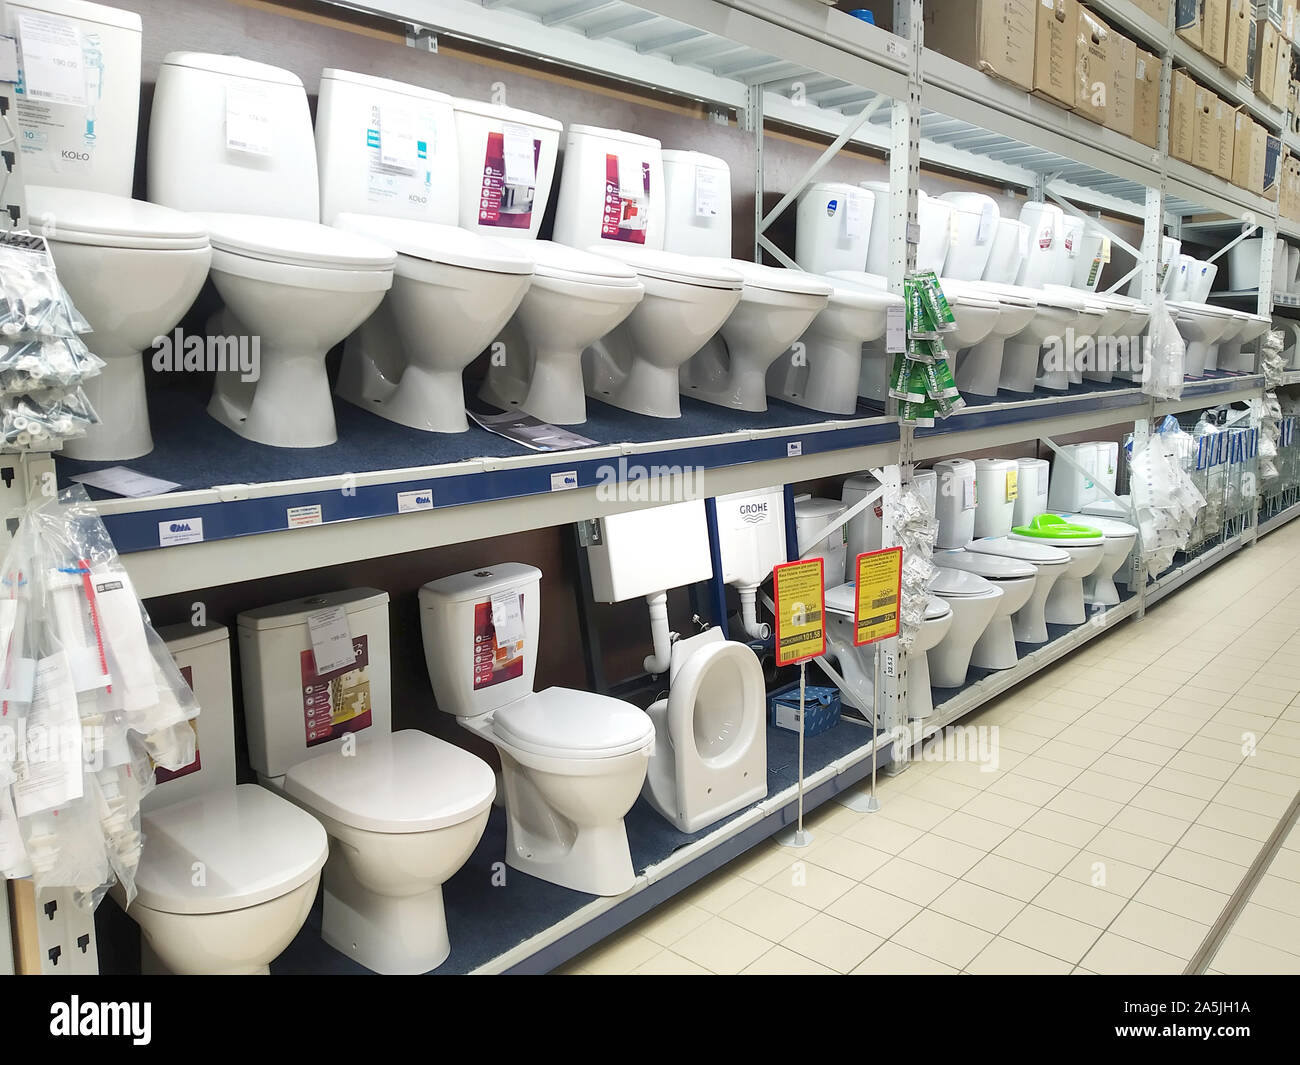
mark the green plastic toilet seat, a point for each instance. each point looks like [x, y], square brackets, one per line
[1054, 527]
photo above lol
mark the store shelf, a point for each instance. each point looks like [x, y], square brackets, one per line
[1279, 519]
[1290, 377]
[1212, 390]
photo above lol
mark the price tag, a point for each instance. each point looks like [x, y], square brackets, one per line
[52, 62]
[879, 586]
[248, 122]
[520, 166]
[988, 219]
[1022, 243]
[895, 329]
[1013, 485]
[331, 640]
[707, 185]
[507, 618]
[969, 495]
[855, 215]
[800, 612]
[8, 58]
[397, 139]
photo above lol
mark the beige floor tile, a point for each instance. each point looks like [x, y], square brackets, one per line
[1070, 753]
[1114, 955]
[916, 813]
[1167, 932]
[1185, 783]
[1242, 822]
[946, 855]
[853, 860]
[1051, 933]
[1215, 769]
[1005, 811]
[1084, 806]
[1038, 851]
[810, 884]
[1061, 827]
[910, 881]
[1263, 780]
[768, 914]
[669, 963]
[873, 910]
[1005, 957]
[1102, 785]
[1008, 877]
[946, 793]
[881, 833]
[893, 959]
[1239, 956]
[1219, 844]
[831, 942]
[781, 961]
[1203, 869]
[831, 817]
[1277, 893]
[1019, 740]
[1127, 847]
[1092, 905]
[1113, 764]
[1150, 824]
[671, 921]
[1043, 769]
[1025, 789]
[1169, 803]
[717, 892]
[978, 906]
[1266, 925]
[942, 938]
[722, 947]
[1192, 901]
[768, 859]
[973, 831]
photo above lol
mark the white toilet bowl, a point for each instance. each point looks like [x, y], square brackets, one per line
[1029, 623]
[710, 752]
[978, 368]
[575, 299]
[1065, 605]
[1099, 586]
[934, 628]
[1060, 318]
[1200, 325]
[1240, 320]
[572, 762]
[1095, 336]
[1233, 353]
[996, 647]
[1122, 354]
[973, 601]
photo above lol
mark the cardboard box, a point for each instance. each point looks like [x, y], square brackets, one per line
[1182, 117]
[1157, 9]
[1123, 73]
[1289, 20]
[1187, 21]
[1205, 129]
[1146, 98]
[1272, 166]
[1055, 35]
[995, 36]
[1282, 76]
[1094, 67]
[1214, 28]
[1236, 42]
[1243, 144]
[1266, 52]
[1224, 114]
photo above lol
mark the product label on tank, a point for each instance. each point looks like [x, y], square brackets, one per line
[708, 191]
[398, 146]
[161, 775]
[54, 64]
[855, 216]
[498, 651]
[1013, 486]
[627, 201]
[509, 183]
[335, 702]
[988, 218]
[8, 58]
[248, 121]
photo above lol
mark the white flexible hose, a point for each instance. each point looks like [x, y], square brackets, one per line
[663, 639]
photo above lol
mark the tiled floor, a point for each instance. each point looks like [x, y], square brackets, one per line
[1135, 783]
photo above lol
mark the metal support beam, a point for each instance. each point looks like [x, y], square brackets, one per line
[752, 122]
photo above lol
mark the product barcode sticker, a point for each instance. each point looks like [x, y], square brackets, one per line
[397, 139]
[708, 181]
[331, 640]
[520, 165]
[52, 59]
[968, 496]
[855, 215]
[507, 618]
[248, 121]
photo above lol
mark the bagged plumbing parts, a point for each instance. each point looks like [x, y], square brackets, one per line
[1271, 362]
[1166, 501]
[90, 703]
[921, 377]
[1166, 353]
[43, 360]
[917, 529]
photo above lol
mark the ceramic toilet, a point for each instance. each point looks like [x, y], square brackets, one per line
[1234, 354]
[507, 163]
[811, 516]
[751, 541]
[572, 762]
[776, 305]
[1084, 544]
[833, 225]
[1240, 321]
[232, 140]
[403, 810]
[1071, 488]
[1201, 327]
[262, 856]
[453, 291]
[1099, 588]
[1075, 494]
[710, 749]
[1118, 344]
[973, 601]
[132, 268]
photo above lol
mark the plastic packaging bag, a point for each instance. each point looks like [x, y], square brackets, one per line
[1162, 369]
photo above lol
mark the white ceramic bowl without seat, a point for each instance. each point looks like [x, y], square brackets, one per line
[996, 647]
[635, 366]
[1060, 316]
[1098, 318]
[132, 269]
[979, 367]
[1240, 320]
[1233, 353]
[1099, 586]
[828, 378]
[1084, 543]
[973, 601]
[261, 857]
[1028, 624]
[776, 307]
[1201, 325]
[575, 299]
[1122, 351]
[933, 630]
[452, 293]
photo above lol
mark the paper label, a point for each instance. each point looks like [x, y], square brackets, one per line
[1141, 73]
[331, 640]
[397, 139]
[988, 217]
[495, 662]
[564, 481]
[180, 531]
[1013, 485]
[507, 618]
[248, 121]
[8, 58]
[798, 590]
[968, 495]
[855, 215]
[895, 328]
[52, 59]
[627, 201]
[420, 499]
[335, 703]
[161, 775]
[708, 191]
[50, 774]
[126, 482]
[793, 449]
[518, 156]
[879, 587]
[296, 517]
[509, 182]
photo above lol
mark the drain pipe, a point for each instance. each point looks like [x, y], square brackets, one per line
[661, 635]
[756, 629]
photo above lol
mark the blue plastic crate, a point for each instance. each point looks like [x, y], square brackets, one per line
[821, 704]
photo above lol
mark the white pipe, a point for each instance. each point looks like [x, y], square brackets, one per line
[749, 615]
[663, 639]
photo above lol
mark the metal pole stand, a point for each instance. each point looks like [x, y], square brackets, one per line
[797, 835]
[868, 803]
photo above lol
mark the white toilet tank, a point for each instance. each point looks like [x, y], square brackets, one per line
[385, 148]
[611, 189]
[230, 135]
[202, 654]
[997, 487]
[480, 636]
[1010, 246]
[1068, 249]
[507, 165]
[955, 504]
[865, 530]
[1107, 465]
[1031, 490]
[1072, 490]
[697, 219]
[974, 224]
[79, 106]
[833, 227]
[751, 534]
[811, 516]
[935, 218]
[630, 560]
[1046, 223]
[292, 709]
[1094, 254]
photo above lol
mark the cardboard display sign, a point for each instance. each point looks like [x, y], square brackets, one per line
[879, 586]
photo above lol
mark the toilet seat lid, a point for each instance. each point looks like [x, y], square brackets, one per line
[1025, 550]
[936, 608]
[573, 724]
[989, 566]
[1054, 529]
[960, 584]
[439, 243]
[673, 266]
[1011, 295]
[779, 279]
[1111, 528]
[254, 846]
[296, 242]
[858, 298]
[1205, 310]
[967, 294]
[102, 220]
[563, 263]
[406, 782]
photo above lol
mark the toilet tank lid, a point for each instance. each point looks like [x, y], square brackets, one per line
[813, 507]
[613, 135]
[481, 583]
[502, 113]
[233, 66]
[685, 155]
[292, 612]
[419, 92]
[84, 12]
[186, 637]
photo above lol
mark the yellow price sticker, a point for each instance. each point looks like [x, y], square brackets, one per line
[799, 592]
[879, 587]
[1013, 485]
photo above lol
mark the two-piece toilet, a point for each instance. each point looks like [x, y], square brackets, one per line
[389, 170]
[232, 140]
[572, 762]
[260, 856]
[811, 516]
[1074, 492]
[403, 810]
[710, 751]
[132, 268]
